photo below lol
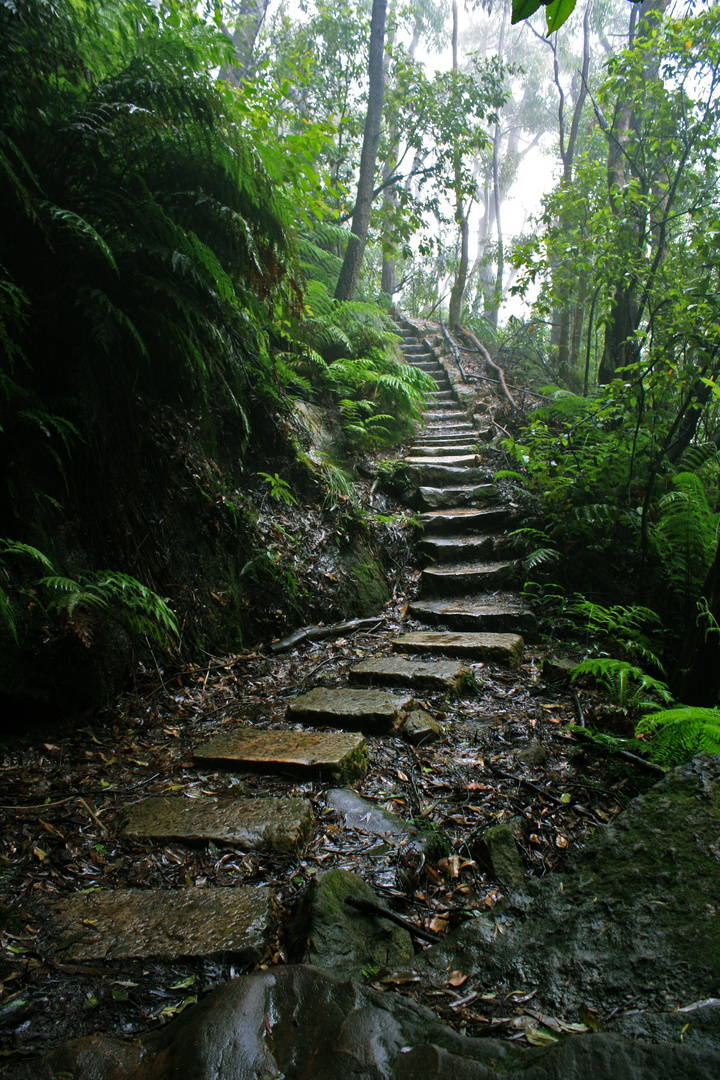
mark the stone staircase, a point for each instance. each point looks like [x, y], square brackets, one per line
[466, 611]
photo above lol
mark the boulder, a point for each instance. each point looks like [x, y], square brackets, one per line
[328, 933]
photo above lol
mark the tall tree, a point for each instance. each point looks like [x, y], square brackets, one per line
[352, 263]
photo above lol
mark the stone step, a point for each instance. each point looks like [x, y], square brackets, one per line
[376, 711]
[421, 451]
[460, 521]
[456, 549]
[452, 441]
[161, 924]
[428, 474]
[442, 395]
[447, 460]
[277, 825]
[454, 497]
[500, 613]
[466, 578]
[504, 648]
[461, 427]
[415, 674]
[338, 756]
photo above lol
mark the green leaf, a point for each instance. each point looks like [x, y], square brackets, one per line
[523, 9]
[557, 12]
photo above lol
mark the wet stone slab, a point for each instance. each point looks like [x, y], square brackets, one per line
[278, 825]
[452, 497]
[162, 924]
[375, 711]
[456, 549]
[338, 756]
[477, 577]
[450, 461]
[496, 614]
[417, 674]
[504, 648]
[464, 520]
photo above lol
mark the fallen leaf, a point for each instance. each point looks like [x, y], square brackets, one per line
[457, 978]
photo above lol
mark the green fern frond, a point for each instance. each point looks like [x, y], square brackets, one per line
[624, 682]
[676, 735]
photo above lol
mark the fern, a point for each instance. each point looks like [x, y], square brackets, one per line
[676, 735]
[686, 535]
[627, 685]
[626, 625]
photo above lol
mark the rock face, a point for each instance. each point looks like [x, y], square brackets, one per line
[328, 933]
[635, 923]
[296, 1023]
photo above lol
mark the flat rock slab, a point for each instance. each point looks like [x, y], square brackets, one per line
[497, 614]
[444, 475]
[281, 825]
[296, 1021]
[339, 756]
[464, 520]
[472, 577]
[376, 711]
[443, 461]
[505, 648]
[455, 549]
[442, 452]
[417, 674]
[451, 497]
[162, 924]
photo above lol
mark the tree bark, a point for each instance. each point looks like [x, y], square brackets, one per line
[352, 263]
[619, 348]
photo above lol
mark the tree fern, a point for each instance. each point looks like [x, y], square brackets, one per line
[686, 535]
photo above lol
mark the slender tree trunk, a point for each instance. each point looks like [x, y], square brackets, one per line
[352, 263]
[458, 287]
[619, 348]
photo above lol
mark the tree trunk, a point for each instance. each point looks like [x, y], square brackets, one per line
[619, 348]
[248, 17]
[352, 263]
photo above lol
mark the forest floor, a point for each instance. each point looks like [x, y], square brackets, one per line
[63, 796]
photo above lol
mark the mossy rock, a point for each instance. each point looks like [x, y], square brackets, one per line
[327, 933]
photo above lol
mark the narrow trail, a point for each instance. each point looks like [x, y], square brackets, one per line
[461, 522]
[148, 886]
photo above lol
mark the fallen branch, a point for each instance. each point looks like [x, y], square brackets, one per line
[317, 633]
[491, 363]
[369, 907]
[641, 763]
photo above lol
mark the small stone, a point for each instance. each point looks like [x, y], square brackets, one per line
[376, 711]
[535, 754]
[339, 756]
[164, 924]
[498, 853]
[505, 648]
[331, 935]
[280, 825]
[418, 674]
[420, 728]
[558, 669]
